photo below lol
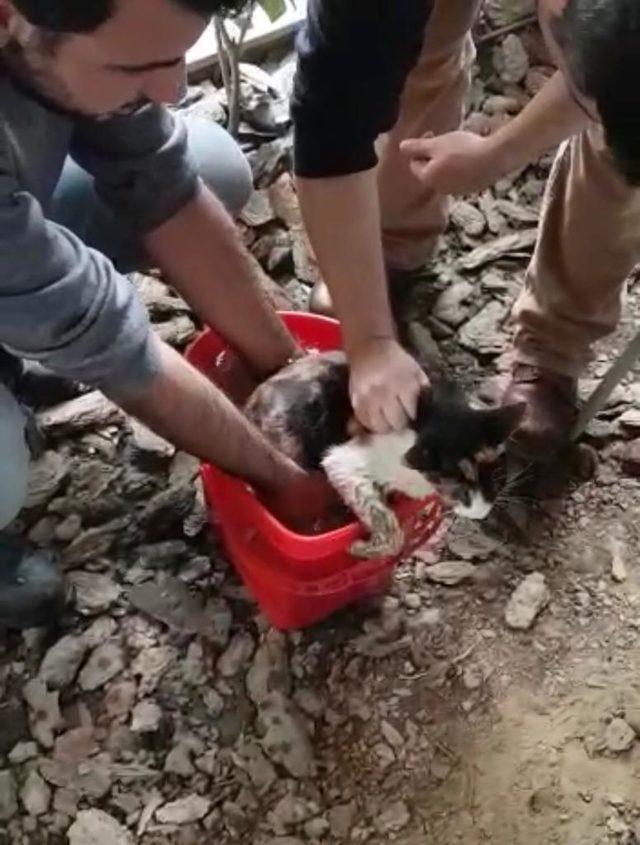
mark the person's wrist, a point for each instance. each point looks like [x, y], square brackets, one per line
[363, 345]
[502, 154]
[284, 473]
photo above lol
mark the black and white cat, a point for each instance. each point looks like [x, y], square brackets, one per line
[450, 449]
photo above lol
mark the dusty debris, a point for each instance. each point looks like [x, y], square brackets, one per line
[92, 411]
[262, 773]
[468, 217]
[23, 752]
[186, 810]
[258, 211]
[177, 331]
[483, 334]
[146, 717]
[76, 745]
[35, 795]
[171, 602]
[511, 60]
[631, 458]
[516, 245]
[150, 665]
[94, 592]
[619, 571]
[44, 712]
[178, 761]
[286, 739]
[341, 819]
[269, 671]
[62, 662]
[529, 600]
[94, 827]
[119, 700]
[8, 796]
[393, 819]
[450, 572]
[46, 476]
[619, 736]
[452, 306]
[237, 655]
[105, 663]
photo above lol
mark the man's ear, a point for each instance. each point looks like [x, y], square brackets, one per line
[13, 24]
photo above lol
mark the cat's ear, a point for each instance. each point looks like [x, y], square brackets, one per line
[500, 423]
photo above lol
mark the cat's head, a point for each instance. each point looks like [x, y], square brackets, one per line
[458, 448]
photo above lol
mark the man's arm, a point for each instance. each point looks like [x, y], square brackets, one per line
[65, 305]
[201, 254]
[463, 163]
[342, 217]
[353, 61]
[143, 172]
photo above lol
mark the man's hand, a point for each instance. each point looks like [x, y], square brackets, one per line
[455, 163]
[385, 384]
[304, 503]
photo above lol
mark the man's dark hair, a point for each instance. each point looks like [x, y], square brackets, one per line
[601, 41]
[81, 16]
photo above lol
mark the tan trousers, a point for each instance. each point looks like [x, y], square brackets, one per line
[589, 238]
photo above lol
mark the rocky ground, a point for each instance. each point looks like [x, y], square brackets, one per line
[490, 697]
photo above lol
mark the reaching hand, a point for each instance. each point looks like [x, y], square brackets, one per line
[455, 163]
[304, 502]
[385, 385]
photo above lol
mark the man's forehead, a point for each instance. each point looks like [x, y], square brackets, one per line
[143, 34]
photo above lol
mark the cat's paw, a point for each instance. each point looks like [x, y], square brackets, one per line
[378, 547]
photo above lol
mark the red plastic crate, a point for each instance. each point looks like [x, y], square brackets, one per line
[297, 579]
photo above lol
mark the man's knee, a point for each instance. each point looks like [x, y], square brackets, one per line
[221, 163]
[14, 458]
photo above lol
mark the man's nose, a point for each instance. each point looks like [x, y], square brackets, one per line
[166, 85]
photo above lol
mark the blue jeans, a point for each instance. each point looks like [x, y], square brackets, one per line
[76, 205]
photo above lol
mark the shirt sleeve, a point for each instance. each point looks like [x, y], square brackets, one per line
[353, 60]
[140, 163]
[66, 305]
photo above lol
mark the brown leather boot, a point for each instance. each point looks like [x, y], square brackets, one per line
[551, 401]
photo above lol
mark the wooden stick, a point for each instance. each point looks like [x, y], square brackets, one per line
[614, 375]
[505, 30]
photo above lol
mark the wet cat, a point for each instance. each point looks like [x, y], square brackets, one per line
[450, 448]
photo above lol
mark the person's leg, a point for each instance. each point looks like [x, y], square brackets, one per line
[588, 244]
[14, 458]
[31, 586]
[219, 161]
[433, 101]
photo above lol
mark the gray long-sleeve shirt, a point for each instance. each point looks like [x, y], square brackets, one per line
[61, 302]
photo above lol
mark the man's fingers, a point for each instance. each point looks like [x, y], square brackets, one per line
[423, 170]
[409, 399]
[418, 148]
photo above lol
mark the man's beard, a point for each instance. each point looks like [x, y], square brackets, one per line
[29, 72]
[25, 67]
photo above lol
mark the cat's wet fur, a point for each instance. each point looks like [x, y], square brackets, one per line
[450, 448]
